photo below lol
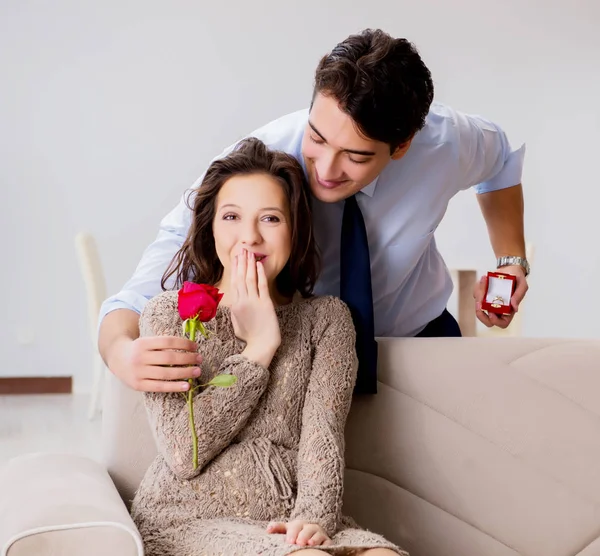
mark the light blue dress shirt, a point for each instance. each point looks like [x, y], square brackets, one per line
[402, 208]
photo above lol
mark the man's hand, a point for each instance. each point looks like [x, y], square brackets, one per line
[502, 321]
[300, 532]
[155, 363]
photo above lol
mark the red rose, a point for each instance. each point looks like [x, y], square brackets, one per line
[197, 304]
[198, 300]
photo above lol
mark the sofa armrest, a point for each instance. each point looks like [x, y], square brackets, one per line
[62, 504]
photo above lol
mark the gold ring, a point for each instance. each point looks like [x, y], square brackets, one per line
[498, 301]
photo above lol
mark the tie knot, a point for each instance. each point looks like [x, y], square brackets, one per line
[351, 207]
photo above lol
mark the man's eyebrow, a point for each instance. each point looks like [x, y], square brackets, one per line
[316, 131]
[351, 151]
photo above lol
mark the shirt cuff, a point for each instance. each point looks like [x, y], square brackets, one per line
[127, 299]
[509, 175]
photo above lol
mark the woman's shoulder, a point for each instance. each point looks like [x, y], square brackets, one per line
[162, 303]
[160, 315]
[327, 318]
[326, 302]
[326, 309]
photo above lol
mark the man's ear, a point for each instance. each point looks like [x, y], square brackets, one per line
[401, 150]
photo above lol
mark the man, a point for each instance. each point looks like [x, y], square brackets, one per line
[383, 161]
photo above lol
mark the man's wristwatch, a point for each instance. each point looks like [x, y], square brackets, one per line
[510, 260]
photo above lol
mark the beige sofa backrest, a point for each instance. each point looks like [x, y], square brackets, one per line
[472, 447]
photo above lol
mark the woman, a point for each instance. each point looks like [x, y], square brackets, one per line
[271, 447]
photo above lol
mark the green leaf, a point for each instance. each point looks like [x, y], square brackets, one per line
[223, 380]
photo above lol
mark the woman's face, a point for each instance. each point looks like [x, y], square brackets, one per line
[252, 213]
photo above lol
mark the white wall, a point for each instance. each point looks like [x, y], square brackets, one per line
[109, 110]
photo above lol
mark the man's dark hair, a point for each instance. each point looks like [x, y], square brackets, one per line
[380, 82]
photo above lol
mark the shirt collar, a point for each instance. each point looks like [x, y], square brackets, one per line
[370, 189]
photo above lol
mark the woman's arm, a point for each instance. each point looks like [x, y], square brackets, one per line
[219, 413]
[326, 407]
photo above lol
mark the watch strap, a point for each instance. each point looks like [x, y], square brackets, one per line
[512, 260]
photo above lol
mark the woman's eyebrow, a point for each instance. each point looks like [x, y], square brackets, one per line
[232, 205]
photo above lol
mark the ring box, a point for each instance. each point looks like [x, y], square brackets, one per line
[500, 287]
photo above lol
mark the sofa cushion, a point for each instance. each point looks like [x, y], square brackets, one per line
[480, 446]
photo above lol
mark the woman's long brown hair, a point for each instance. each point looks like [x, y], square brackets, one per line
[197, 260]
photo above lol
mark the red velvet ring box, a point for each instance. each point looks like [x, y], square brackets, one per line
[500, 287]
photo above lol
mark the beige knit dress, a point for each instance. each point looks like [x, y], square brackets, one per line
[271, 447]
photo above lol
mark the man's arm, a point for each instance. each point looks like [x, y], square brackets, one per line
[487, 162]
[503, 212]
[118, 326]
[147, 364]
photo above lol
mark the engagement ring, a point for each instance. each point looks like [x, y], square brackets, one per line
[498, 301]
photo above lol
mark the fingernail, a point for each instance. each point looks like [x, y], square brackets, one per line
[196, 372]
[199, 358]
[185, 386]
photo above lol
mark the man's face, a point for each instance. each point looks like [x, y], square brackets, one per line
[339, 160]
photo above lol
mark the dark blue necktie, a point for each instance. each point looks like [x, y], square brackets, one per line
[356, 292]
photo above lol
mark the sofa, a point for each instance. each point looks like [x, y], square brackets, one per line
[472, 447]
